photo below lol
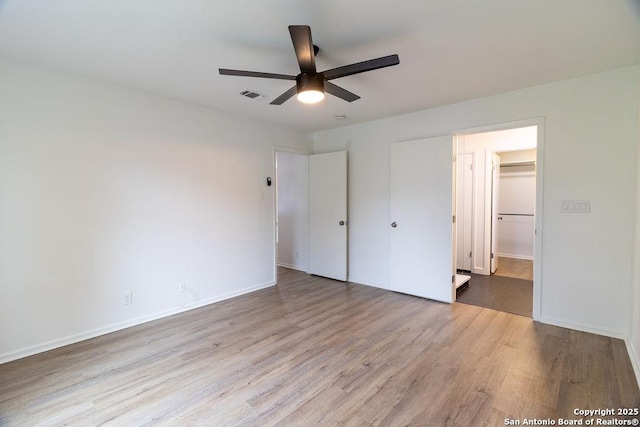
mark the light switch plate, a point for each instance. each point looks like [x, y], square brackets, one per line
[575, 206]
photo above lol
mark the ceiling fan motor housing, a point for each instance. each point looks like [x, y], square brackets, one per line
[310, 81]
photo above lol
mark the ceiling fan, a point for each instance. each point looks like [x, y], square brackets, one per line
[310, 84]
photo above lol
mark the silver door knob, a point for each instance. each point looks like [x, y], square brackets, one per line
[341, 223]
[394, 225]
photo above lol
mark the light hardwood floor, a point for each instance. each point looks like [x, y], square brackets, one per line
[513, 267]
[312, 351]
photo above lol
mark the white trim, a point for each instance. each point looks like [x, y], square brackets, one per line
[634, 357]
[634, 354]
[274, 181]
[513, 256]
[282, 148]
[535, 121]
[72, 339]
[537, 238]
[293, 267]
[367, 282]
[488, 209]
[516, 174]
[582, 328]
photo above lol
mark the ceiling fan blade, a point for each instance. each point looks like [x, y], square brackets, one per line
[242, 73]
[303, 45]
[340, 92]
[361, 67]
[282, 98]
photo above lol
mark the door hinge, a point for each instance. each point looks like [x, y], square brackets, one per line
[491, 255]
[453, 279]
[454, 219]
[470, 254]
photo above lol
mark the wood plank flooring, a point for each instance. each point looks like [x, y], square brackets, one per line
[313, 351]
[514, 267]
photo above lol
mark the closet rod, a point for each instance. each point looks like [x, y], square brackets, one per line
[506, 165]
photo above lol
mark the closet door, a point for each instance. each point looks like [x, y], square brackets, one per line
[421, 223]
[328, 215]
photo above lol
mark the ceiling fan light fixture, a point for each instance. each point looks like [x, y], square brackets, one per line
[310, 84]
[310, 88]
[310, 96]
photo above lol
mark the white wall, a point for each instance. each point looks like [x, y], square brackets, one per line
[634, 336]
[105, 190]
[589, 153]
[293, 210]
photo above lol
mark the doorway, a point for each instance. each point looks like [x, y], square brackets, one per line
[291, 246]
[516, 214]
[498, 181]
[311, 213]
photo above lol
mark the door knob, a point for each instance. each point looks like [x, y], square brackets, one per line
[341, 223]
[394, 225]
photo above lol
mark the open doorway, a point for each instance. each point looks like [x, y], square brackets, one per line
[292, 210]
[516, 214]
[496, 216]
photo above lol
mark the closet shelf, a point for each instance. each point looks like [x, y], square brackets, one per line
[509, 164]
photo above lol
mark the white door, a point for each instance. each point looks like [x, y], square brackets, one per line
[464, 210]
[495, 210]
[421, 218]
[328, 215]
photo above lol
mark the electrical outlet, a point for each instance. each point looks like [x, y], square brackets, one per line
[128, 298]
[182, 287]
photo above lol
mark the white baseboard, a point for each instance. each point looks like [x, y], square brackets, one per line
[479, 271]
[72, 339]
[367, 282]
[292, 266]
[530, 258]
[50, 345]
[635, 359]
[633, 354]
[582, 328]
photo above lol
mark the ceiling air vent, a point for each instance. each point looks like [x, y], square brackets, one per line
[252, 95]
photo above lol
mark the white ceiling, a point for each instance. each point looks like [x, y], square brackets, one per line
[450, 50]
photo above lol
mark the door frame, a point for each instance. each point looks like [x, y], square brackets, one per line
[460, 217]
[495, 197]
[274, 179]
[537, 242]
